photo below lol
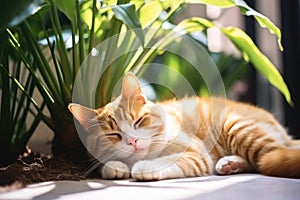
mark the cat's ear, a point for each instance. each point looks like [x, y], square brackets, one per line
[85, 116]
[131, 88]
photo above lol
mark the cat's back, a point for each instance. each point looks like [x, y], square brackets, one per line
[229, 117]
[208, 107]
[217, 112]
[220, 108]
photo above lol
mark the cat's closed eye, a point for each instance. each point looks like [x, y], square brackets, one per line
[114, 135]
[142, 121]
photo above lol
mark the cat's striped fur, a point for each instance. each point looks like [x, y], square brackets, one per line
[185, 138]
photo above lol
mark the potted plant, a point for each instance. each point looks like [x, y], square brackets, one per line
[44, 43]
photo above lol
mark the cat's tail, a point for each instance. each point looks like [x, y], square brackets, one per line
[281, 162]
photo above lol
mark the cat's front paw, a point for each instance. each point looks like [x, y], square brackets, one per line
[146, 171]
[115, 170]
[153, 170]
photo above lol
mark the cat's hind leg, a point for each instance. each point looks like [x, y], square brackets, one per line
[232, 164]
[281, 162]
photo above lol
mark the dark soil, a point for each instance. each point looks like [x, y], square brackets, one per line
[33, 168]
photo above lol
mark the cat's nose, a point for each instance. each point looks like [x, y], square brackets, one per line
[132, 141]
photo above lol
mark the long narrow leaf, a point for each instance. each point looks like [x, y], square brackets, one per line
[15, 81]
[43, 64]
[5, 122]
[65, 93]
[219, 3]
[150, 12]
[92, 31]
[68, 7]
[63, 88]
[127, 14]
[244, 43]
[80, 33]
[42, 88]
[14, 88]
[263, 21]
[241, 40]
[245, 9]
[22, 99]
[14, 12]
[64, 59]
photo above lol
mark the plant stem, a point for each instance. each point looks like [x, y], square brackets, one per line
[74, 53]
[42, 63]
[92, 31]
[64, 59]
[80, 33]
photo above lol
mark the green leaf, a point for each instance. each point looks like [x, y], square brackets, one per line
[14, 12]
[194, 24]
[20, 86]
[250, 51]
[219, 3]
[261, 19]
[150, 12]
[68, 7]
[127, 14]
[246, 46]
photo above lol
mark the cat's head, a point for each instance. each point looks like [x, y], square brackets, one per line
[125, 127]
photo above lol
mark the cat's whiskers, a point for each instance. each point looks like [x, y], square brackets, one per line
[157, 144]
[92, 167]
[163, 142]
[97, 162]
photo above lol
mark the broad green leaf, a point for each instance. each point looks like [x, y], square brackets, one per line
[43, 11]
[266, 23]
[87, 15]
[170, 7]
[127, 14]
[218, 3]
[110, 2]
[250, 51]
[246, 46]
[194, 24]
[68, 7]
[14, 12]
[171, 3]
[261, 19]
[37, 19]
[150, 12]
[138, 3]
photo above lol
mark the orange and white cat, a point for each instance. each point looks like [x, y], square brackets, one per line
[134, 137]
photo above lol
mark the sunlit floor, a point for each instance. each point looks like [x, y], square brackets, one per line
[243, 186]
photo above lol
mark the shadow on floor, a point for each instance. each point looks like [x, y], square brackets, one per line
[245, 186]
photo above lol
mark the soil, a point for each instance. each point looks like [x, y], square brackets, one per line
[32, 168]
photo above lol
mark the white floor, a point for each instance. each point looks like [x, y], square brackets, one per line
[244, 186]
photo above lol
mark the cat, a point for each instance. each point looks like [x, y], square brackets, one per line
[133, 137]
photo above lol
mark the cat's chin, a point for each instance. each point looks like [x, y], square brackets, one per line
[135, 156]
[140, 150]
